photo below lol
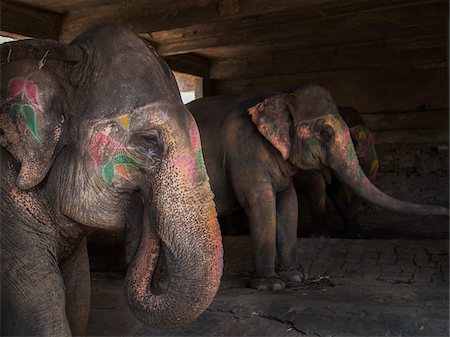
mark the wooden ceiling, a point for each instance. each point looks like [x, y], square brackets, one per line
[238, 28]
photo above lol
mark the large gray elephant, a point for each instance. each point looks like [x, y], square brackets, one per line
[252, 149]
[90, 131]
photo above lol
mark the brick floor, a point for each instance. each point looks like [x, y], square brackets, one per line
[365, 288]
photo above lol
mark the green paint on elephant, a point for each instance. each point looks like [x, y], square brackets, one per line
[351, 152]
[109, 169]
[200, 162]
[360, 173]
[29, 115]
[273, 129]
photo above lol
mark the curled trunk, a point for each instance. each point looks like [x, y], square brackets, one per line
[184, 225]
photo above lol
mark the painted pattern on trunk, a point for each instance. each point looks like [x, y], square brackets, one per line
[28, 92]
[196, 145]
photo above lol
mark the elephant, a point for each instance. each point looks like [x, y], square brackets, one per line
[253, 146]
[91, 132]
[316, 185]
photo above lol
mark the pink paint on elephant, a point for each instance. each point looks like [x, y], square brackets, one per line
[19, 86]
[187, 166]
[195, 136]
[99, 143]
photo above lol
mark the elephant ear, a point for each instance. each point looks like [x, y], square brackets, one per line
[273, 120]
[32, 118]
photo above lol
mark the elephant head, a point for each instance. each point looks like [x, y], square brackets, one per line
[305, 127]
[128, 132]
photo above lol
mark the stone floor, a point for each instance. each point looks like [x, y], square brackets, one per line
[394, 287]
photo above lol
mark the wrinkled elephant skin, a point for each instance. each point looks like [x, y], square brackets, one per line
[92, 131]
[316, 185]
[254, 146]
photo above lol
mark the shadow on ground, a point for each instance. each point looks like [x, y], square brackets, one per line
[364, 287]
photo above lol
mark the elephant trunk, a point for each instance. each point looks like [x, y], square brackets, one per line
[181, 222]
[343, 160]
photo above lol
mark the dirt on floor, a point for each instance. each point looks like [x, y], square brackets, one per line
[366, 287]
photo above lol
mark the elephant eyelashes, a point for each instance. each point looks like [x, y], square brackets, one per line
[148, 145]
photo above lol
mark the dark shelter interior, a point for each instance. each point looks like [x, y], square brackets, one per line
[388, 60]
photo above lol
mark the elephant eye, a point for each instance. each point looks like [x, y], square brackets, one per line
[325, 134]
[147, 143]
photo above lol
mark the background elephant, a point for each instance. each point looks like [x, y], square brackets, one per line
[125, 136]
[316, 186]
[252, 149]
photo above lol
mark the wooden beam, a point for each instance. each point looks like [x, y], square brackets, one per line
[415, 51]
[365, 89]
[29, 21]
[432, 136]
[154, 16]
[306, 32]
[151, 16]
[433, 119]
[189, 64]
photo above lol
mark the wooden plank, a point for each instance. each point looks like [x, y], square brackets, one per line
[154, 16]
[298, 29]
[365, 89]
[431, 136]
[189, 64]
[151, 16]
[415, 51]
[30, 21]
[433, 119]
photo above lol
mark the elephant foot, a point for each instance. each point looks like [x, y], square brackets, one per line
[267, 283]
[294, 274]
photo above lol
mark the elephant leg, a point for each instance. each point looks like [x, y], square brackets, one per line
[260, 207]
[76, 275]
[347, 205]
[287, 220]
[32, 296]
[315, 191]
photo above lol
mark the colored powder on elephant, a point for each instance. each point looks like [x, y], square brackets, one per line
[360, 174]
[374, 168]
[322, 202]
[196, 145]
[27, 112]
[118, 165]
[200, 164]
[362, 137]
[215, 233]
[187, 167]
[304, 132]
[98, 145]
[124, 121]
[351, 152]
[30, 93]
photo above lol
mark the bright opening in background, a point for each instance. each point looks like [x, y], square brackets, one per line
[191, 87]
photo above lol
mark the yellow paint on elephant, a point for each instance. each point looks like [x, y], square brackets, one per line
[374, 166]
[322, 202]
[362, 136]
[124, 121]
